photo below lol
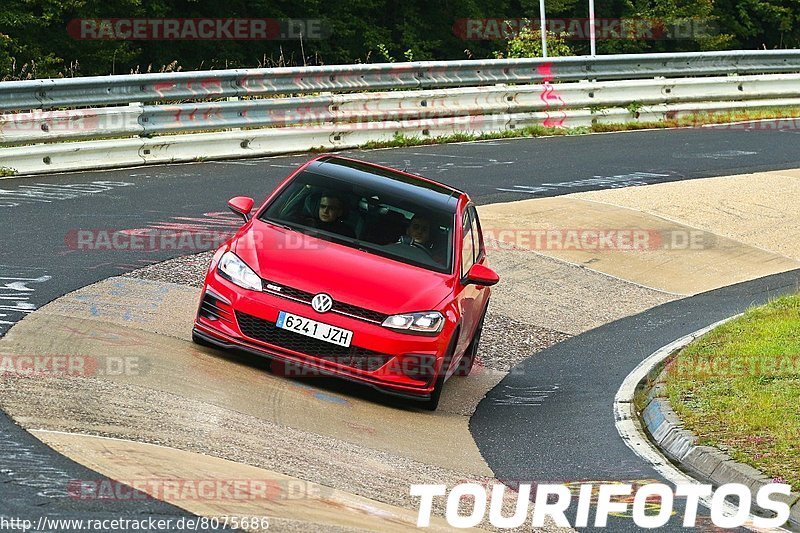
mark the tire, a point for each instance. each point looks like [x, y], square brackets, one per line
[432, 403]
[468, 361]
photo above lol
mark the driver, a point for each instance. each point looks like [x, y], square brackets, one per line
[418, 234]
[419, 231]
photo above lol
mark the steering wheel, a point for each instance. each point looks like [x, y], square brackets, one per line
[421, 246]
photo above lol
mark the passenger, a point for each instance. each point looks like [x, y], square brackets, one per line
[329, 215]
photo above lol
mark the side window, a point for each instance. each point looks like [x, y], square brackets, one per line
[467, 245]
[477, 236]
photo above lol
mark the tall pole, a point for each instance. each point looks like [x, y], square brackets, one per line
[543, 26]
[592, 36]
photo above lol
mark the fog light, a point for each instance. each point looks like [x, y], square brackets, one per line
[418, 366]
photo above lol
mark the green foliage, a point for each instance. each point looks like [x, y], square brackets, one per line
[528, 43]
[35, 43]
[384, 53]
[760, 23]
[634, 107]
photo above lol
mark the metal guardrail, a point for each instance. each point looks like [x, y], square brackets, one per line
[114, 153]
[409, 105]
[149, 120]
[108, 90]
[471, 97]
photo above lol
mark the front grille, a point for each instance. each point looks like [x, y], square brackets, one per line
[266, 331]
[338, 307]
[360, 312]
[288, 292]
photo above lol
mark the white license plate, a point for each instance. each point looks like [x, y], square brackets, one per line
[314, 329]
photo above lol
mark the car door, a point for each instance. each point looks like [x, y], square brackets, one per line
[469, 294]
[482, 296]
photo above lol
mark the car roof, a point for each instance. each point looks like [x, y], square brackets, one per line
[427, 192]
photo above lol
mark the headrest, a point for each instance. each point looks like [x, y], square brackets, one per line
[311, 204]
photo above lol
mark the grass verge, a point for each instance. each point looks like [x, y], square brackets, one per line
[402, 140]
[738, 388]
[694, 119]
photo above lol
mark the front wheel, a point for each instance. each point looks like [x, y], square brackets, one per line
[468, 361]
[432, 403]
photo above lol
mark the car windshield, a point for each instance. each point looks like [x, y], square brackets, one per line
[365, 218]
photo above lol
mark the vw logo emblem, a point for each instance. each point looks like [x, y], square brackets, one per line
[322, 303]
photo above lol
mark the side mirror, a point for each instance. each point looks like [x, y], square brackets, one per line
[241, 205]
[482, 275]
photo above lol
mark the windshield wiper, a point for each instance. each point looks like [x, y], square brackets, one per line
[279, 224]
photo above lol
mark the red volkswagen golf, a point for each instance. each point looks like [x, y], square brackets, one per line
[354, 270]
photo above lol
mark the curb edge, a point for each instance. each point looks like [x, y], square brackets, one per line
[678, 443]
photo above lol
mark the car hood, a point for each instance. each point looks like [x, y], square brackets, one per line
[348, 275]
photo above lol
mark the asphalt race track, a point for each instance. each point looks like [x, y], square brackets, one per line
[37, 230]
[515, 424]
[555, 437]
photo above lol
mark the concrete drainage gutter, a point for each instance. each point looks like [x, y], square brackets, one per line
[706, 464]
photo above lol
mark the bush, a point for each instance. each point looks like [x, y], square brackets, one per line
[528, 43]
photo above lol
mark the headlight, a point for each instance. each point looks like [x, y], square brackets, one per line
[237, 271]
[425, 322]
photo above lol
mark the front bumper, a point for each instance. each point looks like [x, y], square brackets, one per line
[242, 346]
[224, 330]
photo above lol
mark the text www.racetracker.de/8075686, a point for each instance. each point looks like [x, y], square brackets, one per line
[188, 523]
